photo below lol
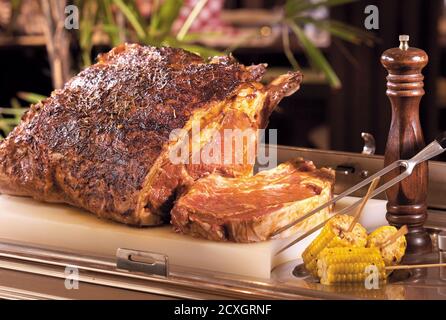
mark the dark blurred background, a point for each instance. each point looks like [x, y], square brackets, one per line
[322, 115]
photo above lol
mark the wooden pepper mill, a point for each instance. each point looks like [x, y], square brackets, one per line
[407, 200]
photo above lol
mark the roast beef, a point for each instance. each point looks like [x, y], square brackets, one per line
[250, 209]
[102, 142]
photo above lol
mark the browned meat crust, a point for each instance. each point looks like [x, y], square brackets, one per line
[94, 144]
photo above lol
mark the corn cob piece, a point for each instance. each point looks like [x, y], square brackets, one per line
[348, 265]
[392, 253]
[334, 234]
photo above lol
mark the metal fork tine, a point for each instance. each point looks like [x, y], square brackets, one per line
[380, 173]
[306, 234]
[342, 195]
[435, 148]
[390, 183]
[384, 187]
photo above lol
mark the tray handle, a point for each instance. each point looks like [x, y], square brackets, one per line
[141, 261]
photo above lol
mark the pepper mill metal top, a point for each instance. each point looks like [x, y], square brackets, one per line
[401, 61]
[404, 41]
[407, 200]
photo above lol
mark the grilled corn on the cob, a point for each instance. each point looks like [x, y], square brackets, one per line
[349, 265]
[391, 253]
[334, 234]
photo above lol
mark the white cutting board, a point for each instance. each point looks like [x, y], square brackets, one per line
[68, 228]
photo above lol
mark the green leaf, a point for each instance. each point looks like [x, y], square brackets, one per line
[12, 111]
[132, 18]
[315, 56]
[12, 122]
[31, 97]
[341, 30]
[86, 31]
[109, 24]
[200, 50]
[15, 12]
[154, 20]
[197, 36]
[109, 28]
[191, 18]
[241, 40]
[205, 52]
[297, 7]
[15, 104]
[291, 7]
[15, 4]
[13, 117]
[287, 48]
[166, 16]
[5, 128]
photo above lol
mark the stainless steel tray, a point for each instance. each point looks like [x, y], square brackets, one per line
[41, 273]
[28, 272]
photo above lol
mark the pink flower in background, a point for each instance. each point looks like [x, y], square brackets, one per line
[145, 7]
[209, 18]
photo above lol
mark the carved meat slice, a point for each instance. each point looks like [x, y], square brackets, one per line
[103, 142]
[250, 209]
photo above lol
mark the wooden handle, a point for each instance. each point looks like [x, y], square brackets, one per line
[407, 200]
[366, 198]
[416, 266]
[401, 232]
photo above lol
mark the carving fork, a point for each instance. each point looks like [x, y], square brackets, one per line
[437, 147]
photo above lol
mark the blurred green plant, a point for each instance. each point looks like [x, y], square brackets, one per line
[31, 97]
[121, 21]
[10, 117]
[158, 31]
[296, 17]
